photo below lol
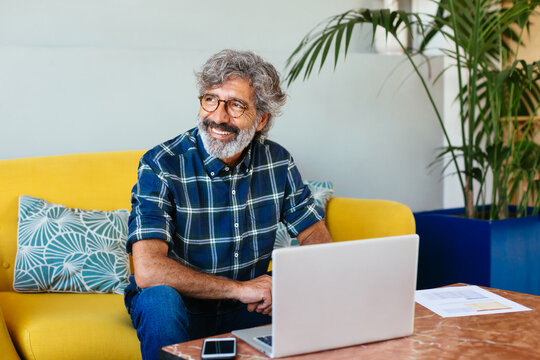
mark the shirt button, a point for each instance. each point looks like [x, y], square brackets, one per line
[212, 173]
[226, 168]
[233, 192]
[235, 225]
[235, 255]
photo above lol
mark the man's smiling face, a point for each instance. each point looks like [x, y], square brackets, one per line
[223, 135]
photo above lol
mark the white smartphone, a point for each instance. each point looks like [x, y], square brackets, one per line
[219, 348]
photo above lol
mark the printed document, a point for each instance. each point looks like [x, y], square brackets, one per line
[465, 301]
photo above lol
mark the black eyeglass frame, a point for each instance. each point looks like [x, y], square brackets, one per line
[226, 102]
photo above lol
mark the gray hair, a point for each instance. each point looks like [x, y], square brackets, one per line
[264, 78]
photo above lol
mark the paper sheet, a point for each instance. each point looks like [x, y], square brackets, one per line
[468, 300]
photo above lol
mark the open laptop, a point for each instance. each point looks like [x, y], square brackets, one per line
[339, 294]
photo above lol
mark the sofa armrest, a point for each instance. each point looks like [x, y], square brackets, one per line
[352, 219]
[8, 350]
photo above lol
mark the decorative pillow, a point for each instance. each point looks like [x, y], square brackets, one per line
[322, 192]
[70, 250]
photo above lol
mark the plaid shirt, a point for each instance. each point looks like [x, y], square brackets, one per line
[215, 219]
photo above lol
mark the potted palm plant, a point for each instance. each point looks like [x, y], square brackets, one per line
[495, 239]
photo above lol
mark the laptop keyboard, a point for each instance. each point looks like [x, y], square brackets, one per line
[265, 339]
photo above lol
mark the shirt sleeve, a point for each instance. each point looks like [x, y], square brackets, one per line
[299, 208]
[151, 206]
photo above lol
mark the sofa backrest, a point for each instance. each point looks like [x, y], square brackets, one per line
[96, 181]
[103, 181]
[354, 219]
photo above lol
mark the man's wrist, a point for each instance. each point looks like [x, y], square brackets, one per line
[234, 289]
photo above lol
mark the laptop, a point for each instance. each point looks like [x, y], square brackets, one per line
[339, 294]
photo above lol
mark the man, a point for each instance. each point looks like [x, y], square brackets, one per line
[206, 207]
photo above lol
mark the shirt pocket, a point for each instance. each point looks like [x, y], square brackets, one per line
[262, 216]
[261, 223]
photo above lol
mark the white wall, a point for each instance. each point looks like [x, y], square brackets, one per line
[84, 76]
[448, 106]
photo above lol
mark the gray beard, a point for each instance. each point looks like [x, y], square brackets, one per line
[226, 149]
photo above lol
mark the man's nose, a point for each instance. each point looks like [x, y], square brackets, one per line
[220, 115]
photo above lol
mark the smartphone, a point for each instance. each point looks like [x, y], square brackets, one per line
[219, 348]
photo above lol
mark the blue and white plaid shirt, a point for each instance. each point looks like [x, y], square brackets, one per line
[215, 219]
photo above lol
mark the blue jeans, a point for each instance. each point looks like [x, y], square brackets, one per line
[163, 317]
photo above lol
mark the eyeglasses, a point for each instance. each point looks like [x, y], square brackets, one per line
[234, 107]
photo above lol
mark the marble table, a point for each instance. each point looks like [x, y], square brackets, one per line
[497, 336]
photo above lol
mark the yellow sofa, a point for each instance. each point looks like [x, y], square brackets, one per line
[97, 326]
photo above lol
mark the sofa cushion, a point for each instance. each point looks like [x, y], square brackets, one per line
[322, 192]
[85, 181]
[70, 326]
[8, 350]
[70, 250]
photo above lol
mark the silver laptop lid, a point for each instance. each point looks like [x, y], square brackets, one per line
[340, 294]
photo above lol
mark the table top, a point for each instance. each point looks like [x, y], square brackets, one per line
[497, 336]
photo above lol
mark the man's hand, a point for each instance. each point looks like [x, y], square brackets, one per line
[257, 293]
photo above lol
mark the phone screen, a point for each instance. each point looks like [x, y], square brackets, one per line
[213, 348]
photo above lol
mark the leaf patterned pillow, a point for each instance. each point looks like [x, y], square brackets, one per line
[70, 250]
[322, 192]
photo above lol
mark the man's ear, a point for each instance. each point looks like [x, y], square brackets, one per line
[263, 121]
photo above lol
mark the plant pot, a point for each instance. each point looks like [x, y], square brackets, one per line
[503, 254]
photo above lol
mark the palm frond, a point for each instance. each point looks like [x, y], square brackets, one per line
[338, 31]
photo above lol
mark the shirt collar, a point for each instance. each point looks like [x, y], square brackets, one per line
[246, 161]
